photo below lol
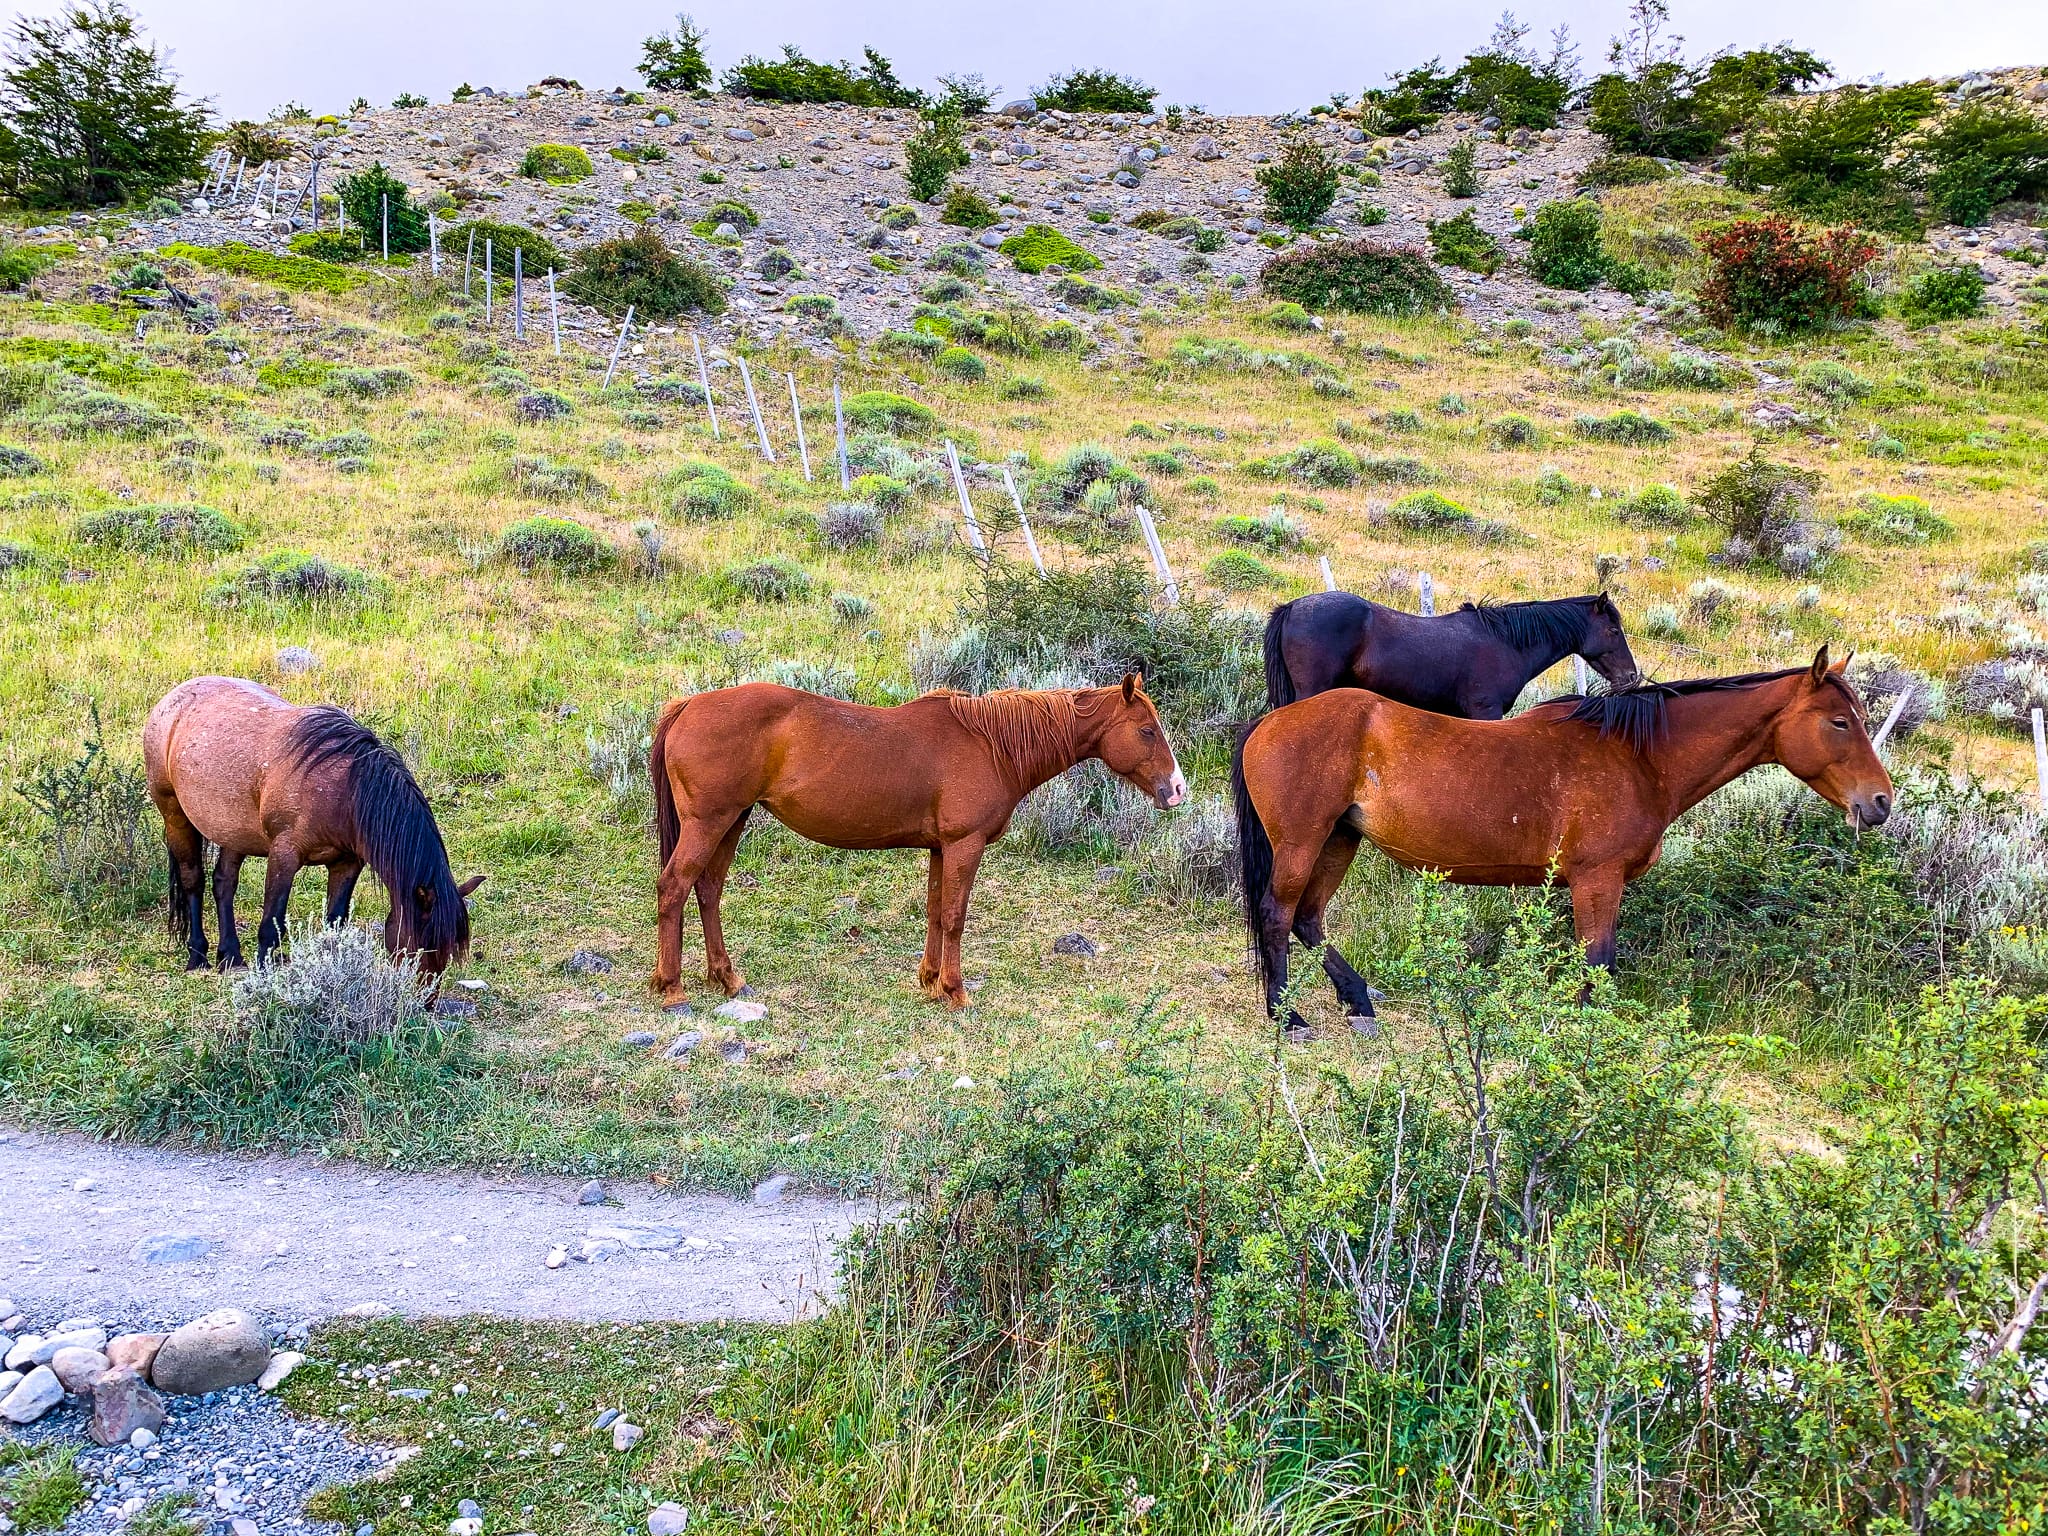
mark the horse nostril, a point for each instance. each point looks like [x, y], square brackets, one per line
[1883, 805]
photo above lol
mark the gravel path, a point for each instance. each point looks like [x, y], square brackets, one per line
[124, 1231]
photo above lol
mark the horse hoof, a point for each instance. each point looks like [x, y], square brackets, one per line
[1365, 1024]
[201, 964]
[669, 993]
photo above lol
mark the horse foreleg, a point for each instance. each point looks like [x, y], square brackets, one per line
[672, 889]
[1329, 874]
[934, 930]
[341, 889]
[280, 868]
[187, 850]
[1596, 910]
[710, 892]
[962, 860]
[227, 879]
[1293, 867]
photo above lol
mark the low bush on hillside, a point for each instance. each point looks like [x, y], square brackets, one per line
[291, 576]
[1776, 276]
[777, 579]
[537, 253]
[87, 816]
[876, 410]
[1631, 429]
[1038, 246]
[559, 165]
[700, 492]
[303, 273]
[641, 270]
[1564, 245]
[170, 529]
[1881, 519]
[554, 543]
[1768, 512]
[797, 78]
[1944, 293]
[1980, 155]
[381, 210]
[1275, 531]
[1094, 90]
[1301, 182]
[1360, 275]
[1429, 515]
[1460, 242]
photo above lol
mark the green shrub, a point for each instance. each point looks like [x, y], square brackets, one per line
[1322, 463]
[299, 272]
[959, 363]
[1656, 506]
[1358, 275]
[640, 270]
[1276, 531]
[1238, 570]
[1881, 519]
[774, 580]
[1612, 170]
[795, 78]
[20, 265]
[1301, 183]
[933, 153]
[379, 207]
[1630, 428]
[19, 463]
[1461, 169]
[168, 529]
[1767, 510]
[674, 61]
[340, 245]
[1564, 244]
[1836, 157]
[884, 492]
[699, 492]
[366, 383]
[1428, 513]
[812, 306]
[540, 477]
[1980, 155]
[879, 411]
[958, 259]
[1944, 293]
[1094, 90]
[1513, 431]
[733, 211]
[1038, 246]
[559, 165]
[1834, 382]
[291, 576]
[555, 543]
[1460, 242]
[537, 254]
[967, 208]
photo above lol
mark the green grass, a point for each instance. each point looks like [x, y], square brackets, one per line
[39, 1489]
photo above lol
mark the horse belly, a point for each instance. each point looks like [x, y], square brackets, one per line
[846, 804]
[1469, 843]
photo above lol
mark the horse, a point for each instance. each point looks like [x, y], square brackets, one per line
[1578, 789]
[943, 772]
[231, 763]
[1472, 663]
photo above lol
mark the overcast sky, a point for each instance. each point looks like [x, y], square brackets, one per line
[1226, 55]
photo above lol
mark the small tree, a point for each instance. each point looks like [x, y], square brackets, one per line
[1302, 184]
[1461, 169]
[1564, 244]
[640, 270]
[1094, 90]
[674, 61]
[934, 152]
[362, 199]
[89, 114]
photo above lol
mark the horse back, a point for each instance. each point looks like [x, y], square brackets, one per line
[214, 745]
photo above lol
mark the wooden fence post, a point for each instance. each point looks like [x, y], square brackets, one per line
[468, 260]
[1579, 675]
[1158, 549]
[386, 225]
[704, 383]
[518, 293]
[617, 347]
[1023, 522]
[554, 312]
[966, 506]
[1329, 576]
[433, 243]
[839, 425]
[489, 282]
[2040, 758]
[1425, 591]
[754, 405]
[796, 409]
[1898, 708]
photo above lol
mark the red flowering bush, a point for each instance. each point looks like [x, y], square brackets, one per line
[1775, 274]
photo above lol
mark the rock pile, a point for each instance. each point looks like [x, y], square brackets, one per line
[123, 1379]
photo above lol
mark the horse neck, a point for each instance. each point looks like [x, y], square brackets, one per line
[1538, 656]
[1029, 758]
[1711, 739]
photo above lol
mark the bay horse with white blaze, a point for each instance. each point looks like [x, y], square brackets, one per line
[943, 772]
[233, 764]
[1472, 662]
[1579, 789]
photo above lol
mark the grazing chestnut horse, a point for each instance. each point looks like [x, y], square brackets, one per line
[943, 772]
[1473, 662]
[1582, 786]
[233, 764]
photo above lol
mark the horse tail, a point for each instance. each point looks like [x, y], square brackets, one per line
[1279, 682]
[1255, 859]
[668, 826]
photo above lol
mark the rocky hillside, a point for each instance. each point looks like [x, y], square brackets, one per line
[821, 178]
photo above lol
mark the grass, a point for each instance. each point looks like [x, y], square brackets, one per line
[491, 677]
[39, 1489]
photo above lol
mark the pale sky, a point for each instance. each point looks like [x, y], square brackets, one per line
[1226, 55]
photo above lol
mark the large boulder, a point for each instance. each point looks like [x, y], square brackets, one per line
[122, 1403]
[222, 1349]
[136, 1351]
[78, 1368]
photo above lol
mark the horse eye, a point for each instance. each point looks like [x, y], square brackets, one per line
[1841, 724]
[1148, 733]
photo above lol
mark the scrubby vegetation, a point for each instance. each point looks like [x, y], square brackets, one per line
[641, 269]
[1360, 275]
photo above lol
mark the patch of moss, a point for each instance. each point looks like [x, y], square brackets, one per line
[305, 274]
[559, 165]
[1038, 246]
[879, 411]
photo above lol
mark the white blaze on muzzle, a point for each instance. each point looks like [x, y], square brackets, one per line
[1177, 787]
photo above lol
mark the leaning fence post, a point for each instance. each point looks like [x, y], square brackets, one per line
[433, 243]
[468, 260]
[1329, 576]
[489, 282]
[966, 505]
[2040, 758]
[1023, 522]
[1898, 708]
[241, 165]
[385, 225]
[839, 425]
[1159, 558]
[1425, 591]
[754, 405]
[1579, 676]
[704, 383]
[617, 347]
[518, 293]
[796, 409]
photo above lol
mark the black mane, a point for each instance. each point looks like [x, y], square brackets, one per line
[1558, 623]
[395, 829]
[1636, 714]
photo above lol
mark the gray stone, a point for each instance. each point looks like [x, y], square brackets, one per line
[1207, 148]
[33, 1396]
[1078, 944]
[770, 1190]
[294, 659]
[8, 1381]
[174, 1248]
[606, 1419]
[78, 1368]
[1126, 178]
[626, 1434]
[734, 1049]
[222, 1349]
[683, 1044]
[1354, 136]
[740, 135]
[18, 1353]
[667, 1520]
[282, 1364]
[638, 1039]
[125, 1410]
[591, 1193]
[47, 1346]
[725, 232]
[1024, 106]
[643, 1237]
[588, 962]
[990, 239]
[663, 120]
[742, 1010]
[469, 1509]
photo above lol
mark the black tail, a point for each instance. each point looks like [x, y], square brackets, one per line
[1279, 684]
[1255, 857]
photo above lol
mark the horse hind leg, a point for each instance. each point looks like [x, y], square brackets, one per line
[710, 888]
[185, 853]
[1293, 868]
[1330, 870]
[227, 877]
[695, 845]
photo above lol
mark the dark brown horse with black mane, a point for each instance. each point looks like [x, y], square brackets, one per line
[943, 772]
[1472, 663]
[1576, 789]
[233, 764]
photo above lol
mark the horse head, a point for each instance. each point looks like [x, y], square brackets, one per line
[1605, 646]
[1133, 744]
[1822, 738]
[422, 931]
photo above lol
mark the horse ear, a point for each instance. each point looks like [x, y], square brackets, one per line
[1820, 664]
[1133, 681]
[469, 885]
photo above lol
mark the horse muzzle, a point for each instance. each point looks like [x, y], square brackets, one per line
[1172, 792]
[1869, 811]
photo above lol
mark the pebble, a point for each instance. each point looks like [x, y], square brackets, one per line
[592, 1193]
[469, 1509]
[588, 962]
[742, 1010]
[466, 1526]
[770, 1190]
[557, 1257]
[606, 1419]
[626, 1434]
[282, 1364]
[638, 1039]
[667, 1520]
[294, 659]
[683, 1044]
[1078, 944]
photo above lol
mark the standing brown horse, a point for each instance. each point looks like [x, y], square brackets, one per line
[1582, 789]
[233, 764]
[943, 772]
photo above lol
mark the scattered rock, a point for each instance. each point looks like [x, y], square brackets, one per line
[20, 1354]
[1078, 944]
[467, 1525]
[469, 1509]
[770, 1190]
[742, 1010]
[174, 1248]
[557, 1257]
[626, 1434]
[606, 1419]
[222, 1349]
[134, 1351]
[667, 1520]
[683, 1044]
[33, 1396]
[294, 659]
[638, 1039]
[123, 1408]
[592, 1193]
[282, 1364]
[78, 1368]
[588, 962]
